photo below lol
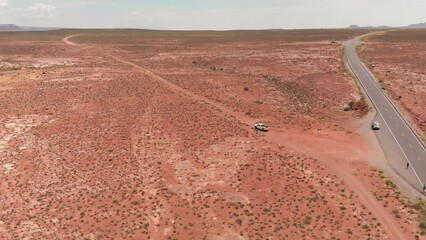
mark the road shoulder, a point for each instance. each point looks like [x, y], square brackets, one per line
[378, 160]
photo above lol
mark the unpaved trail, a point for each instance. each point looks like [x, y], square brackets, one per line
[67, 40]
[389, 224]
[391, 227]
[341, 169]
[229, 112]
[319, 148]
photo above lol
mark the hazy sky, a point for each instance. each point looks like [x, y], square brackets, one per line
[212, 14]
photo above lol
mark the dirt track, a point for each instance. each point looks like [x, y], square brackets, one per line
[67, 40]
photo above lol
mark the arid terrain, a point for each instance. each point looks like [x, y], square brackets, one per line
[398, 60]
[149, 135]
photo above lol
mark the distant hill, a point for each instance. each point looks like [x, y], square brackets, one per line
[418, 25]
[9, 28]
[368, 27]
[15, 28]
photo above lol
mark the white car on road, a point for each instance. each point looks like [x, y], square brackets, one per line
[375, 125]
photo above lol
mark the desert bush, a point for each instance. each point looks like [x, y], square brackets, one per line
[239, 221]
[307, 220]
[390, 184]
[421, 206]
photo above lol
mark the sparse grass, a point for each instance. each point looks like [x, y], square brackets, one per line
[137, 36]
[152, 143]
[421, 207]
[390, 184]
[359, 106]
[407, 35]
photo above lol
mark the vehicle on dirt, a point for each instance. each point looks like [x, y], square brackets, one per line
[375, 125]
[261, 127]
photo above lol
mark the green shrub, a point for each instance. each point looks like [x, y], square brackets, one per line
[308, 220]
[239, 221]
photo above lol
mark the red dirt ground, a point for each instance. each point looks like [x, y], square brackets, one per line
[151, 137]
[398, 60]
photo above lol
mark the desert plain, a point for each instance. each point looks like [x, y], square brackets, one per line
[131, 134]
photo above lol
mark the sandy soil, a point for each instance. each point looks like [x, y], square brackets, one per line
[403, 74]
[154, 139]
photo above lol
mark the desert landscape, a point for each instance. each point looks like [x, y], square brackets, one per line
[131, 134]
[397, 59]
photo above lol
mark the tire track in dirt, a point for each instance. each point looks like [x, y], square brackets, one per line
[342, 168]
[366, 197]
[390, 226]
[228, 112]
[67, 40]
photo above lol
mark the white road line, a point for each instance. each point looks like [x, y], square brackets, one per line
[374, 104]
[369, 74]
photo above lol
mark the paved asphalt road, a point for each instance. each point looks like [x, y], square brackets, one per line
[397, 139]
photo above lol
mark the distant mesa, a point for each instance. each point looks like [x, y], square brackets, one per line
[367, 27]
[15, 28]
[418, 25]
[9, 28]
